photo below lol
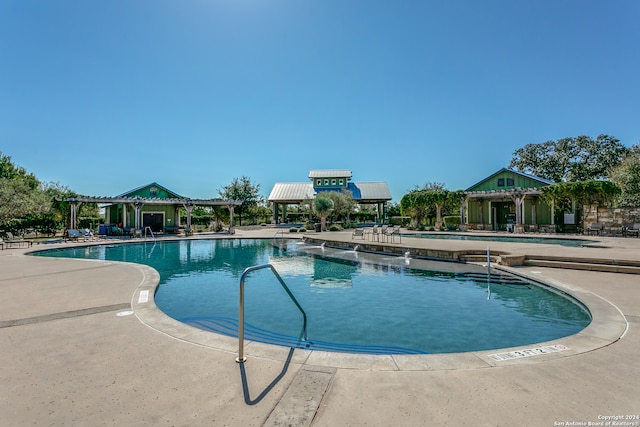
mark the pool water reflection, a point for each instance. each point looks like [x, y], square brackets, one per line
[354, 302]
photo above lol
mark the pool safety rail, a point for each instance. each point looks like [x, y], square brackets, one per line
[147, 228]
[303, 335]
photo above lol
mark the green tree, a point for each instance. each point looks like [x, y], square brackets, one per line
[419, 202]
[60, 209]
[567, 195]
[627, 176]
[323, 206]
[343, 204]
[570, 159]
[20, 192]
[244, 191]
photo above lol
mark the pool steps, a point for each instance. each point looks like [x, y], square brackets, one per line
[497, 257]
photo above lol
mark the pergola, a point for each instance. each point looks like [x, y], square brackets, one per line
[137, 203]
[517, 196]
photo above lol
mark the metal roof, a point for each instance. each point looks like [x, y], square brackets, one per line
[150, 201]
[291, 191]
[533, 177]
[153, 184]
[330, 173]
[295, 192]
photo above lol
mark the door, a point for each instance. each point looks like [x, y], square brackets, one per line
[153, 220]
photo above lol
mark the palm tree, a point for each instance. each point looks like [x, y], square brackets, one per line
[323, 207]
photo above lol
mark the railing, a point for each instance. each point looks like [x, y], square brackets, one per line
[150, 232]
[275, 237]
[303, 335]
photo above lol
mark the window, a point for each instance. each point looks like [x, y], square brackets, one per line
[318, 182]
[333, 182]
[500, 182]
[342, 182]
[326, 182]
[509, 182]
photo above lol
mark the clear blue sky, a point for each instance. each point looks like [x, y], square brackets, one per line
[103, 97]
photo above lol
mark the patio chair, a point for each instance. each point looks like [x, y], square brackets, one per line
[392, 232]
[632, 230]
[358, 232]
[374, 233]
[384, 232]
[595, 228]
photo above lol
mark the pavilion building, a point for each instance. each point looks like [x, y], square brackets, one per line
[324, 180]
[508, 200]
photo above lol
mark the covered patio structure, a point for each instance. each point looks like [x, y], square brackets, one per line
[150, 206]
[508, 201]
[325, 180]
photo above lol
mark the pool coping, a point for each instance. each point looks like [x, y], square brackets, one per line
[607, 326]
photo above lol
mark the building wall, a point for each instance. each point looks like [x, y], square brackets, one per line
[610, 217]
[114, 214]
[543, 212]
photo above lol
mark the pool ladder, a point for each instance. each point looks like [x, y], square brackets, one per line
[303, 335]
[150, 232]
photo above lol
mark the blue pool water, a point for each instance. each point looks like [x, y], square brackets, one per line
[354, 302]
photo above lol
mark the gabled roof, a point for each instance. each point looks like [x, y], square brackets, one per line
[539, 180]
[136, 191]
[295, 192]
[330, 173]
[291, 192]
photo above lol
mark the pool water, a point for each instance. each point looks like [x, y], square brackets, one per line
[354, 302]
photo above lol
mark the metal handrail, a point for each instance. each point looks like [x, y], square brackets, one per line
[275, 236]
[150, 232]
[241, 358]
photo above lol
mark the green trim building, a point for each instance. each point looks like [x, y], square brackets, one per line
[508, 200]
[159, 217]
[152, 206]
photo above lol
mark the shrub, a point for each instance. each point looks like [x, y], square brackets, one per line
[451, 222]
[400, 220]
[302, 230]
[335, 228]
[293, 230]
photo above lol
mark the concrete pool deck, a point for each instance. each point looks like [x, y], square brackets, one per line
[72, 356]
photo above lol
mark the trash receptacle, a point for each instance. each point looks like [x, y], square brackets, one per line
[102, 229]
[318, 227]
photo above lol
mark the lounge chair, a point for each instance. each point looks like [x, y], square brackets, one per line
[11, 238]
[73, 235]
[15, 242]
[358, 232]
[87, 234]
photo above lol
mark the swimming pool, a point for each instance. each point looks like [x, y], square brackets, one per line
[576, 243]
[362, 303]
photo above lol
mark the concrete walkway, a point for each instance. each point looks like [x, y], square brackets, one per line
[73, 354]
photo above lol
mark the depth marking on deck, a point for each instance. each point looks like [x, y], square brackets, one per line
[498, 357]
[143, 297]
